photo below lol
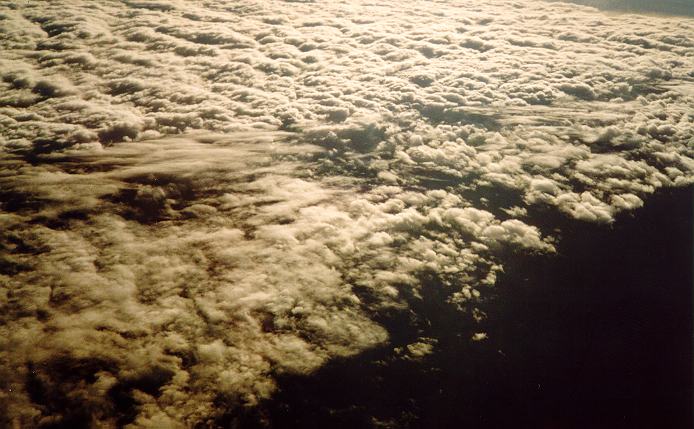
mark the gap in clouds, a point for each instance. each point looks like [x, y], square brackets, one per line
[597, 336]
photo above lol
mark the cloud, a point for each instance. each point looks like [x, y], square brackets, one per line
[142, 299]
[179, 272]
[195, 198]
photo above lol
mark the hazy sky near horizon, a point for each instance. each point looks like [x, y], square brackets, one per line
[674, 7]
[199, 196]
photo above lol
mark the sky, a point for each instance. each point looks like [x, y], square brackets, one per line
[197, 198]
[673, 7]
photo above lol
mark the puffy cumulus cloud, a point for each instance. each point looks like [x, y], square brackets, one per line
[166, 282]
[356, 149]
[417, 350]
[162, 275]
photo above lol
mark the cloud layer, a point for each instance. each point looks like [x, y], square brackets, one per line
[198, 196]
[502, 93]
[184, 272]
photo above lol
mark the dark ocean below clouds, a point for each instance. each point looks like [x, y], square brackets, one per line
[597, 336]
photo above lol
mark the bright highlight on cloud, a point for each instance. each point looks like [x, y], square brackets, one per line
[198, 196]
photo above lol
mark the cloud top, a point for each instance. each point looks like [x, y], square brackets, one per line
[198, 196]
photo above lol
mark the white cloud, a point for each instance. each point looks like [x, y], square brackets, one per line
[227, 256]
[181, 270]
